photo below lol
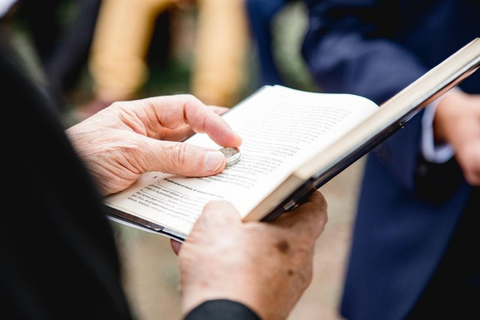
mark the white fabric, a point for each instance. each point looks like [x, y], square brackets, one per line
[436, 153]
[5, 5]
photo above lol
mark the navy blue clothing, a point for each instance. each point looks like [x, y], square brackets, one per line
[409, 209]
[260, 15]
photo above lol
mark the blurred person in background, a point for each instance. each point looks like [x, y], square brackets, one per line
[59, 259]
[118, 59]
[222, 43]
[415, 244]
[61, 33]
[261, 14]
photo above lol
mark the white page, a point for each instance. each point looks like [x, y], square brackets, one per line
[280, 128]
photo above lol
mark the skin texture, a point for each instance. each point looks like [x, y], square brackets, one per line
[266, 266]
[457, 122]
[127, 139]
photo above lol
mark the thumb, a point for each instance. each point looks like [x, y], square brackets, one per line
[181, 158]
[217, 217]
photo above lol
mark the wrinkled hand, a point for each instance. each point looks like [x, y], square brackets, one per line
[266, 266]
[123, 141]
[457, 121]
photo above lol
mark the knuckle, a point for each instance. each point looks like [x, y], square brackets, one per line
[303, 273]
[307, 240]
[306, 276]
[322, 222]
[304, 252]
[128, 154]
[176, 156]
[117, 105]
[255, 229]
[189, 99]
[129, 150]
[305, 268]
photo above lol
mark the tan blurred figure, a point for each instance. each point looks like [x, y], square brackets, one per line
[118, 58]
[222, 43]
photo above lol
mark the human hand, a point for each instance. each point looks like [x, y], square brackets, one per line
[265, 266]
[123, 141]
[457, 121]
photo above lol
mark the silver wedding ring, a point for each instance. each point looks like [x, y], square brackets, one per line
[233, 155]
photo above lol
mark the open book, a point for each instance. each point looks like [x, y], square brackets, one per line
[293, 143]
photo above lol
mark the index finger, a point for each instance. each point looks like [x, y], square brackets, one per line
[177, 111]
[308, 219]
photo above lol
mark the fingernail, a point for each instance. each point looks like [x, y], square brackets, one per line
[213, 160]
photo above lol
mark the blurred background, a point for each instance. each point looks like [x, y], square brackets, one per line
[89, 53]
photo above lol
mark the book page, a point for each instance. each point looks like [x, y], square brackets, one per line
[280, 128]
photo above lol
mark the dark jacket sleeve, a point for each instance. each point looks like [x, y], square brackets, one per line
[59, 259]
[349, 47]
[222, 309]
